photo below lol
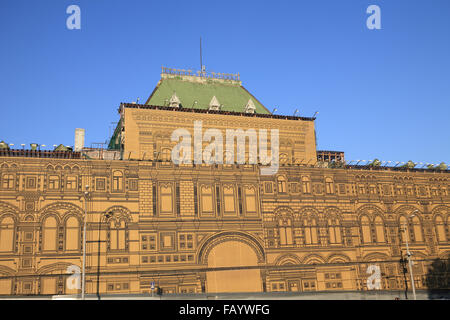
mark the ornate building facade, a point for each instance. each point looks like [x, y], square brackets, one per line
[193, 228]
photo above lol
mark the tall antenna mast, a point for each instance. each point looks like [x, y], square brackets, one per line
[202, 67]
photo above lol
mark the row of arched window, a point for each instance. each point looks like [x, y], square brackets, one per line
[360, 188]
[371, 231]
[55, 182]
[310, 231]
[374, 231]
[305, 185]
[65, 236]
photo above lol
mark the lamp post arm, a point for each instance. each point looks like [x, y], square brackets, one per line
[83, 275]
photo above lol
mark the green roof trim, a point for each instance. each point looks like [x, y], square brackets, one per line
[114, 142]
[231, 95]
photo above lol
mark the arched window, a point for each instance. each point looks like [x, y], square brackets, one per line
[283, 158]
[281, 184]
[314, 237]
[117, 181]
[417, 227]
[379, 229]
[285, 230]
[310, 232]
[112, 235]
[8, 181]
[72, 234]
[166, 154]
[334, 231]
[440, 229]
[7, 234]
[49, 234]
[121, 245]
[404, 228]
[329, 185]
[117, 235]
[365, 228]
[306, 184]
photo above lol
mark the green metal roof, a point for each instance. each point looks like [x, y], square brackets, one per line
[231, 95]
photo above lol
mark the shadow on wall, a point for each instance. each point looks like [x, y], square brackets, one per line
[438, 279]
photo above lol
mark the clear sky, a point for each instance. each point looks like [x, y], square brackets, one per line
[380, 93]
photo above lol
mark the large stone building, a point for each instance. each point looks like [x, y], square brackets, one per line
[316, 224]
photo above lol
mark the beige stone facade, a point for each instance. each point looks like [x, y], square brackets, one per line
[213, 228]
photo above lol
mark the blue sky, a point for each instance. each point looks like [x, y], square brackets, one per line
[380, 93]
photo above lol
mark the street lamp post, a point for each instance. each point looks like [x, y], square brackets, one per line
[408, 253]
[83, 274]
[107, 216]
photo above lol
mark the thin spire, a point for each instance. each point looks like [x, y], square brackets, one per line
[201, 62]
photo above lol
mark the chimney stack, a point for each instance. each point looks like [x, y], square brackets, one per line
[79, 139]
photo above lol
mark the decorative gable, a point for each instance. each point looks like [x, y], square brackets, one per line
[250, 107]
[174, 101]
[214, 104]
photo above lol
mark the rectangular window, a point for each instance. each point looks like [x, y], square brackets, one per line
[27, 249]
[167, 241]
[166, 198]
[26, 263]
[100, 184]
[306, 183]
[71, 183]
[195, 201]
[268, 187]
[206, 199]
[177, 197]
[250, 200]
[240, 200]
[148, 242]
[186, 241]
[155, 198]
[309, 285]
[293, 187]
[53, 182]
[229, 200]
[361, 189]
[27, 286]
[8, 181]
[133, 184]
[31, 183]
[410, 191]
[329, 187]
[117, 181]
[218, 200]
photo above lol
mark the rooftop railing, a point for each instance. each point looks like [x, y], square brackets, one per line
[39, 154]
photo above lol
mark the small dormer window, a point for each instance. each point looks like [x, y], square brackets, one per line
[250, 107]
[214, 104]
[174, 101]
